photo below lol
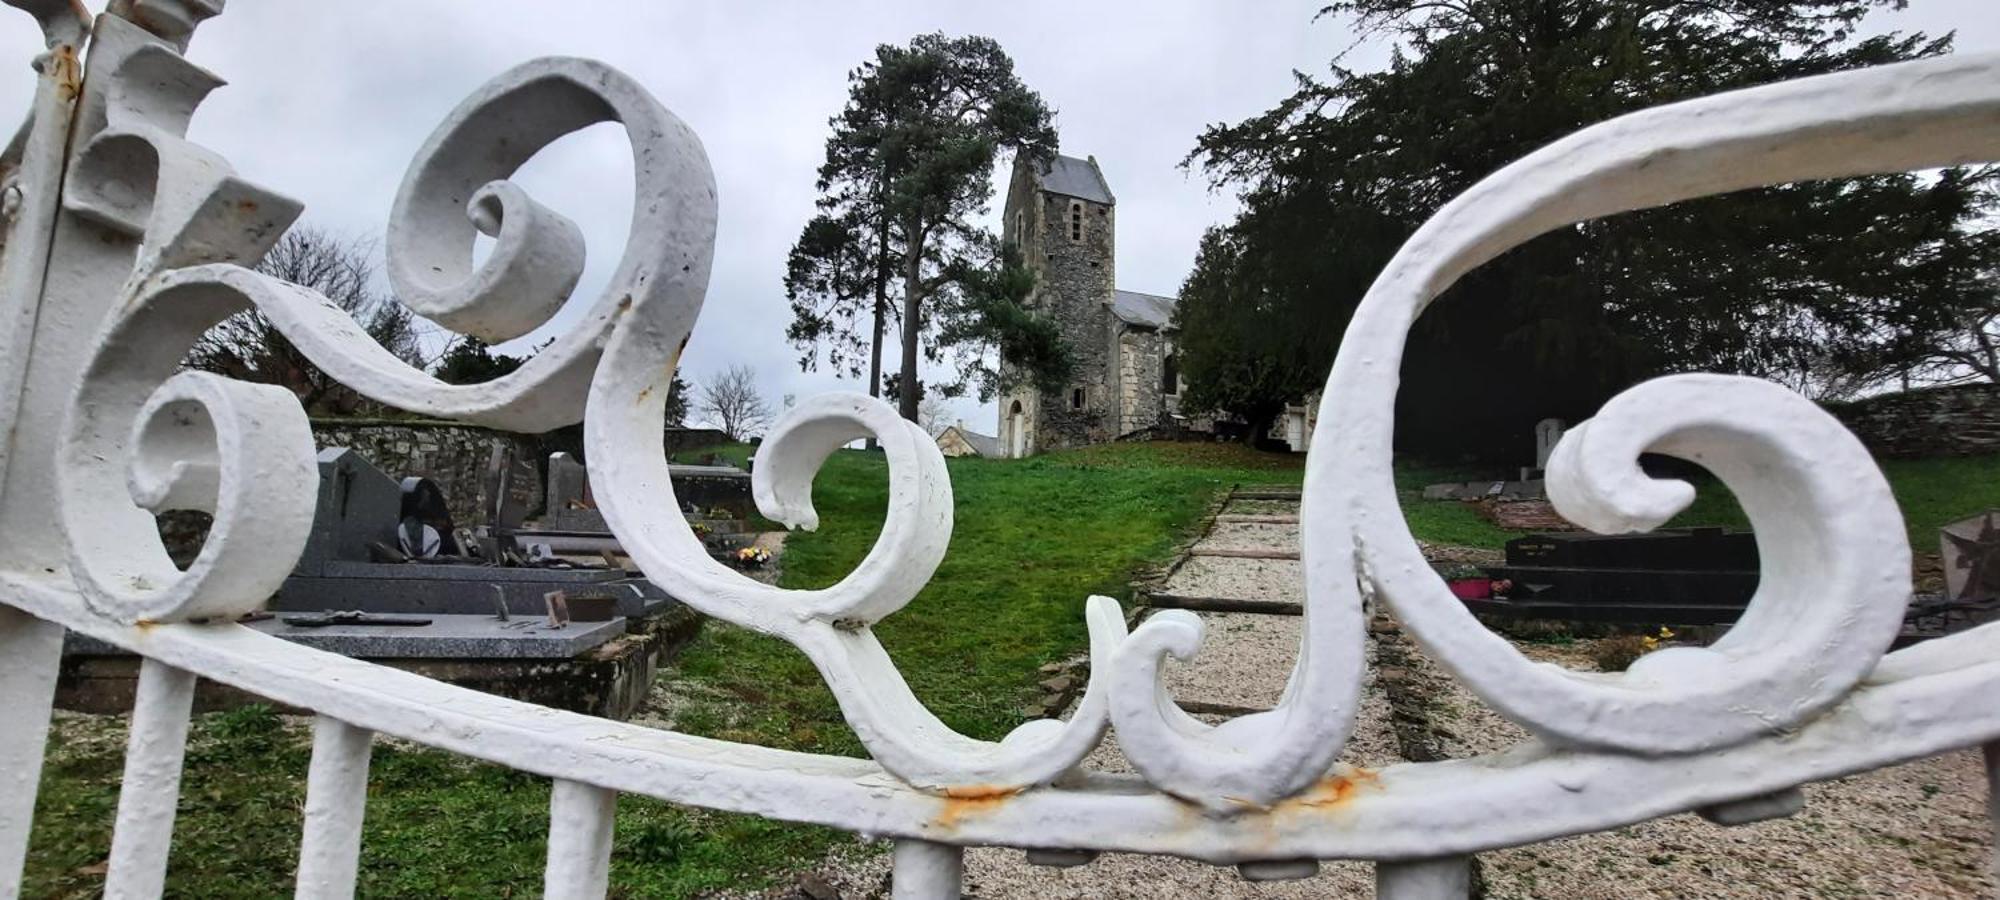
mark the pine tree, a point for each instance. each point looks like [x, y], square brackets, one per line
[907, 167]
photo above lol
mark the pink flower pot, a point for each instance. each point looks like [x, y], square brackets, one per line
[1471, 588]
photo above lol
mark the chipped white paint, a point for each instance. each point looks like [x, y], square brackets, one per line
[124, 241]
[336, 802]
[30, 650]
[149, 792]
[927, 871]
[580, 817]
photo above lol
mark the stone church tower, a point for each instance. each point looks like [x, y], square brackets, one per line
[1064, 220]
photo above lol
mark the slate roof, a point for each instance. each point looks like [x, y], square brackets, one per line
[1079, 178]
[985, 445]
[1144, 310]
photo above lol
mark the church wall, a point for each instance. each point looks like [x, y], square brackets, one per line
[1012, 446]
[1074, 283]
[1140, 358]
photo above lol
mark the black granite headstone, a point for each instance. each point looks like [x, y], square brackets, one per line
[357, 505]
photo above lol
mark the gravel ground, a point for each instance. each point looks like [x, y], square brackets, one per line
[1917, 830]
[1244, 661]
[1274, 580]
[997, 873]
[1914, 831]
[1251, 536]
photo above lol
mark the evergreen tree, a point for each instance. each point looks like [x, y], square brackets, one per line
[471, 361]
[988, 320]
[907, 166]
[1859, 272]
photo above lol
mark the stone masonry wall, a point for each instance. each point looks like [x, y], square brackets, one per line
[1963, 420]
[1141, 402]
[1073, 286]
[455, 456]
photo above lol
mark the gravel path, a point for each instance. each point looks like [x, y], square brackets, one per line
[1914, 831]
[1917, 830]
[1274, 580]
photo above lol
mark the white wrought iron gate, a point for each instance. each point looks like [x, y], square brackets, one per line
[124, 242]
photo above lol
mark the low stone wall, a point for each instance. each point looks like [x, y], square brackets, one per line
[678, 440]
[453, 455]
[1963, 420]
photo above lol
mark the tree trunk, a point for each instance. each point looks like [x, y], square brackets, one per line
[1260, 424]
[913, 303]
[881, 308]
[881, 313]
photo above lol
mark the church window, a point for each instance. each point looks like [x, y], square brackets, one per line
[1076, 398]
[1076, 220]
[1170, 375]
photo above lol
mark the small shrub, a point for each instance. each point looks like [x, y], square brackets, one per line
[1616, 654]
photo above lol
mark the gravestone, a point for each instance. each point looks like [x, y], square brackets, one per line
[426, 512]
[569, 484]
[461, 620]
[572, 521]
[1690, 576]
[570, 506]
[358, 505]
[1547, 433]
[510, 481]
[1971, 551]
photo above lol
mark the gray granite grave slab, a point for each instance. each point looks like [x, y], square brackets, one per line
[451, 637]
[444, 588]
[448, 636]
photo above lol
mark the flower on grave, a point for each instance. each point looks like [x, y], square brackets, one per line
[752, 557]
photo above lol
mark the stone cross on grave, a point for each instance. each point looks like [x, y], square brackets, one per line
[1547, 433]
[1971, 551]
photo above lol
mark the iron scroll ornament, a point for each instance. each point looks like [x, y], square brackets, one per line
[192, 440]
[141, 437]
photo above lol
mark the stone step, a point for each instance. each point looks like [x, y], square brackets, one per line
[1254, 519]
[1159, 600]
[1265, 493]
[1244, 552]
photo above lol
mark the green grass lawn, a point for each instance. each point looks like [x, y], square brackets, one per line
[1032, 538]
[1931, 492]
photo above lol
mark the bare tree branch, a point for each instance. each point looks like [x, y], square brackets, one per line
[729, 401]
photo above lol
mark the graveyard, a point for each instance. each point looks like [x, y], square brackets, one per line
[1479, 449]
[993, 640]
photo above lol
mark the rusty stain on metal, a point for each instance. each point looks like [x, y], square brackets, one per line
[971, 800]
[1332, 791]
[66, 70]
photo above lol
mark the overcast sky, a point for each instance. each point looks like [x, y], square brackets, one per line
[328, 102]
